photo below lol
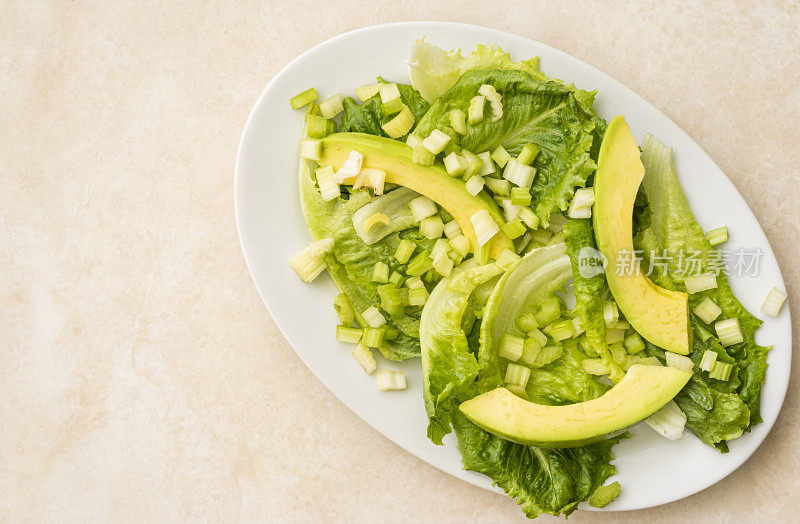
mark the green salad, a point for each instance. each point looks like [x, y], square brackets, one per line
[485, 219]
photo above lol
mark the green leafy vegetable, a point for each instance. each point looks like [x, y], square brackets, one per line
[369, 116]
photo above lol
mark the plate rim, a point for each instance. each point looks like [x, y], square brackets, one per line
[741, 457]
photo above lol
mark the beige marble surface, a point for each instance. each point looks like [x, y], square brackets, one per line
[141, 378]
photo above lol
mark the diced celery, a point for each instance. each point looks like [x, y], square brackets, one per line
[528, 154]
[530, 351]
[344, 310]
[393, 299]
[510, 347]
[513, 229]
[562, 330]
[475, 111]
[330, 127]
[413, 141]
[431, 227]
[618, 352]
[310, 261]
[373, 317]
[458, 121]
[419, 264]
[520, 196]
[452, 229]
[310, 148]
[475, 185]
[366, 92]
[518, 391]
[420, 155]
[538, 336]
[698, 283]
[316, 126]
[729, 332]
[485, 226]
[619, 324]
[678, 361]
[510, 211]
[301, 99]
[774, 302]
[614, 335]
[326, 180]
[443, 264]
[498, 187]
[396, 279]
[529, 218]
[373, 337]
[391, 107]
[350, 169]
[400, 124]
[313, 109]
[332, 106]
[717, 236]
[527, 322]
[707, 310]
[506, 258]
[422, 207]
[363, 356]
[460, 245]
[389, 92]
[549, 311]
[633, 343]
[708, 360]
[610, 312]
[482, 254]
[594, 366]
[519, 174]
[668, 421]
[436, 141]
[577, 325]
[414, 283]
[455, 164]
[487, 167]
[405, 248]
[417, 296]
[517, 375]
[380, 272]
[501, 156]
[495, 101]
[389, 380]
[721, 371]
[474, 164]
[581, 204]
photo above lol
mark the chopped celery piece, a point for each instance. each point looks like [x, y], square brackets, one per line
[373, 337]
[400, 124]
[498, 187]
[581, 204]
[562, 330]
[729, 332]
[485, 226]
[404, 250]
[701, 282]
[313, 109]
[455, 164]
[717, 236]
[487, 166]
[510, 211]
[482, 254]
[443, 264]
[452, 229]
[577, 326]
[389, 92]
[391, 107]
[528, 154]
[415, 283]
[774, 302]
[363, 356]
[380, 272]
[678, 361]
[301, 99]
[393, 299]
[420, 155]
[618, 352]
[460, 245]
[475, 111]
[549, 311]
[603, 495]
[517, 375]
[417, 296]
[594, 366]
[614, 335]
[520, 196]
[620, 324]
[375, 220]
[348, 334]
[458, 121]
[396, 279]
[474, 164]
[326, 179]
[510, 347]
[344, 309]
[475, 185]
[538, 336]
[513, 228]
[310, 148]
[721, 371]
[518, 391]
[366, 92]
[495, 101]
[389, 380]
[530, 351]
[501, 156]
[527, 322]
[610, 312]
[506, 258]
[519, 174]
[316, 126]
[420, 264]
[431, 227]
[332, 106]
[373, 317]
[587, 348]
[708, 360]
[707, 310]
[633, 343]
[413, 141]
[529, 218]
[310, 261]
[668, 421]
[350, 169]
[422, 207]
[436, 141]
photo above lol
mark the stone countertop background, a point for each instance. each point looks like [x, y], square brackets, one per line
[141, 378]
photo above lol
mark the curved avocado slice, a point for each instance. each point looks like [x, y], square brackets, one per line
[394, 158]
[659, 315]
[643, 391]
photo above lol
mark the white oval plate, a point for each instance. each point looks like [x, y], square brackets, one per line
[271, 229]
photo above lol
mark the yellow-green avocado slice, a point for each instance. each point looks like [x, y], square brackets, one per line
[394, 157]
[659, 315]
[643, 391]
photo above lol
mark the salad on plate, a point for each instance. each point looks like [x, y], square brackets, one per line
[544, 267]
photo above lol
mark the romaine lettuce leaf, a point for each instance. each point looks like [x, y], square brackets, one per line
[368, 117]
[544, 113]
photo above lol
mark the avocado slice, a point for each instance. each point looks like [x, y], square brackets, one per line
[643, 391]
[659, 315]
[394, 158]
